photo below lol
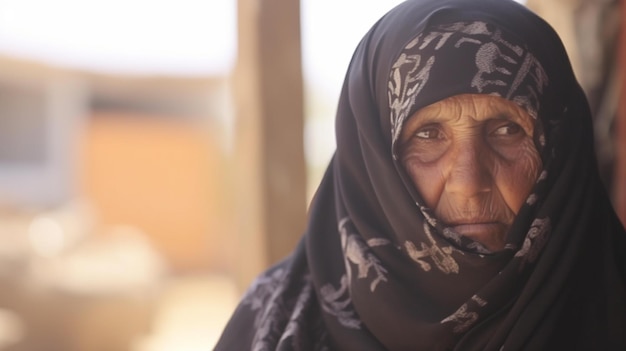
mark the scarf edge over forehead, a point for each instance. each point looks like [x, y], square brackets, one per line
[376, 271]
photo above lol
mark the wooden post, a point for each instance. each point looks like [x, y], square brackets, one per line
[270, 180]
[620, 152]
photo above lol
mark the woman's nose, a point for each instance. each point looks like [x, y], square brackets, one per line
[468, 174]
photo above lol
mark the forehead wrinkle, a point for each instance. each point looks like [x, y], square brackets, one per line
[455, 109]
[443, 110]
[495, 108]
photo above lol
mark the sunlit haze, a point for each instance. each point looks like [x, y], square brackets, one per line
[173, 37]
[139, 36]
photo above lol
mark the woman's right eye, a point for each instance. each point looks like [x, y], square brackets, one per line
[429, 132]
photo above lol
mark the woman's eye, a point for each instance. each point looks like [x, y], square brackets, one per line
[507, 129]
[429, 133]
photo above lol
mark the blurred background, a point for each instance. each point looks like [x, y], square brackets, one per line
[155, 156]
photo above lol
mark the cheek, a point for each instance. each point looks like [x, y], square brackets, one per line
[427, 178]
[516, 175]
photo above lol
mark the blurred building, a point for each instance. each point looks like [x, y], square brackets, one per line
[110, 188]
[117, 144]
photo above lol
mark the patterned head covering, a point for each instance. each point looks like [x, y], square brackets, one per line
[376, 270]
[500, 68]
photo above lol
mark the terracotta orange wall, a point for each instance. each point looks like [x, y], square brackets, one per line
[161, 176]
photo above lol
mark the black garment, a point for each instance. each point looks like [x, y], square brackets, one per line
[376, 270]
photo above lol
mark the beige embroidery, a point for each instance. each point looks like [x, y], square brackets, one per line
[337, 303]
[357, 252]
[401, 93]
[532, 199]
[535, 240]
[441, 257]
[463, 318]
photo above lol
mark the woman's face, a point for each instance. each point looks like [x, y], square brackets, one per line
[473, 160]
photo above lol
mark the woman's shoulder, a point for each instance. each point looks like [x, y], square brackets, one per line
[279, 308]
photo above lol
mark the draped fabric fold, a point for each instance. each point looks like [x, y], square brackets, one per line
[376, 270]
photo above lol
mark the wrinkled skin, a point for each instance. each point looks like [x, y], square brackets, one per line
[473, 160]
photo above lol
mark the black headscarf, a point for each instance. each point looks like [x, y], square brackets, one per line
[376, 270]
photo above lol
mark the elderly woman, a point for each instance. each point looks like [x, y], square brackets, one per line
[462, 209]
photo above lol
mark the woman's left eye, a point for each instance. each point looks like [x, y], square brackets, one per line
[507, 129]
